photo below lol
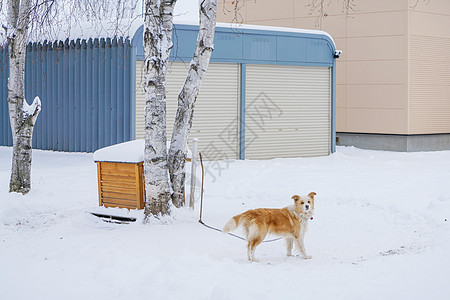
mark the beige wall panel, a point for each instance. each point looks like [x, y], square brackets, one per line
[430, 73]
[278, 22]
[376, 96]
[432, 6]
[378, 6]
[430, 49]
[376, 72]
[341, 95]
[425, 119]
[340, 120]
[226, 13]
[391, 121]
[335, 25]
[376, 24]
[434, 25]
[303, 8]
[430, 85]
[269, 10]
[376, 48]
[341, 71]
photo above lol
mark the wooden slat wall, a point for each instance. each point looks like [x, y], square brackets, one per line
[121, 185]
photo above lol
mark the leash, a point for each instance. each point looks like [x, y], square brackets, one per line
[235, 235]
[217, 229]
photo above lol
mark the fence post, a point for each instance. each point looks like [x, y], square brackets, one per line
[193, 173]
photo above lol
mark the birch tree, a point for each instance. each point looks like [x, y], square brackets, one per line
[40, 19]
[187, 98]
[22, 116]
[158, 24]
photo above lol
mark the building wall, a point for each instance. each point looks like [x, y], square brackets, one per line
[430, 67]
[394, 74]
[250, 67]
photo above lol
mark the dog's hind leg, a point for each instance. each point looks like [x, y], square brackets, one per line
[252, 244]
[289, 244]
[255, 236]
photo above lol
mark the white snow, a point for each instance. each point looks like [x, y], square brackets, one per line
[30, 109]
[132, 152]
[381, 231]
[128, 152]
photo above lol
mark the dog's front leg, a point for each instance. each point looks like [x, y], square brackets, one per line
[300, 242]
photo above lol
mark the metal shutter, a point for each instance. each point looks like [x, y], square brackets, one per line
[216, 110]
[287, 111]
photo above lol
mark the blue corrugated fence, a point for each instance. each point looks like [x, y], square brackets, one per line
[85, 89]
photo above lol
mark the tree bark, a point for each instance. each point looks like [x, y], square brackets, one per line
[187, 98]
[22, 116]
[157, 46]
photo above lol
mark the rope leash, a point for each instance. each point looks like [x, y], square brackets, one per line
[217, 229]
[234, 235]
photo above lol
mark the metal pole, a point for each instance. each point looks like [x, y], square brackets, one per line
[201, 197]
[193, 173]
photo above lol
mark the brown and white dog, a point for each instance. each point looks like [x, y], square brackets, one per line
[290, 222]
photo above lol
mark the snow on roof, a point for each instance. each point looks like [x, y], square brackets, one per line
[127, 152]
[131, 152]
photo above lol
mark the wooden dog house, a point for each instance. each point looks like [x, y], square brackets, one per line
[120, 173]
[120, 170]
[121, 184]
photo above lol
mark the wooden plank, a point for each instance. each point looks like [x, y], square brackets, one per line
[119, 205]
[142, 182]
[99, 176]
[119, 202]
[119, 189]
[118, 166]
[118, 196]
[119, 184]
[116, 172]
[138, 187]
[117, 178]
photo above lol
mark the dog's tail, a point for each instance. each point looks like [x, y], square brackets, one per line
[232, 224]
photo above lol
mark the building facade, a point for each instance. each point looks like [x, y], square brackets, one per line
[261, 98]
[393, 77]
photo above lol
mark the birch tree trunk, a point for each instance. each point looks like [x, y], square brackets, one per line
[157, 45]
[22, 116]
[188, 96]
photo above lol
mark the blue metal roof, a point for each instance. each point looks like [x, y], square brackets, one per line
[247, 45]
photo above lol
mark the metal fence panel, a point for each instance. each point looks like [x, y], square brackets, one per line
[84, 86]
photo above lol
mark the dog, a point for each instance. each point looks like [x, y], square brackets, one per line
[290, 222]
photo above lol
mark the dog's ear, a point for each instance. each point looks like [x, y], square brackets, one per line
[296, 197]
[311, 195]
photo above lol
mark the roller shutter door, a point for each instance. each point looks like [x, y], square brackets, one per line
[215, 121]
[287, 111]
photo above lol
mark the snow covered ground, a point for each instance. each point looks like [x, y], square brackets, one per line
[381, 231]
